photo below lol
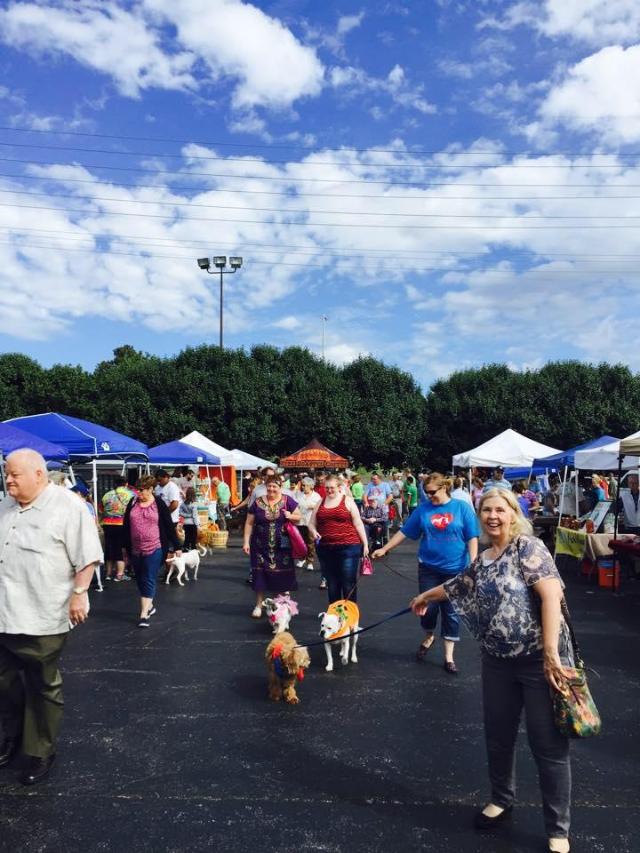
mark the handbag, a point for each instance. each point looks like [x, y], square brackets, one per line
[366, 566]
[574, 711]
[298, 545]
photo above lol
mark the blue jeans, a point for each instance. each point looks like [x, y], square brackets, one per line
[146, 567]
[428, 578]
[339, 564]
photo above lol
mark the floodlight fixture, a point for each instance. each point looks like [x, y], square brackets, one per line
[217, 266]
[220, 261]
[204, 263]
[235, 263]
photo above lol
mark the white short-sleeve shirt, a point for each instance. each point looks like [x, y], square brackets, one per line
[42, 546]
[170, 493]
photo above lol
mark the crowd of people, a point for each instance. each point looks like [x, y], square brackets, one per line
[508, 592]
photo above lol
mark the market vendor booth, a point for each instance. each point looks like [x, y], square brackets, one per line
[314, 456]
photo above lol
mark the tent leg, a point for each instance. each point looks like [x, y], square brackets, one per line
[564, 483]
[615, 525]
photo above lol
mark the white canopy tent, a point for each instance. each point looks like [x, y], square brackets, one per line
[197, 439]
[606, 458]
[244, 461]
[509, 449]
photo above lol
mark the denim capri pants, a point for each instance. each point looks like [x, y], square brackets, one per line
[146, 568]
[428, 578]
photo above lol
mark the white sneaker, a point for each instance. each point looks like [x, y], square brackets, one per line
[299, 564]
[256, 613]
[309, 567]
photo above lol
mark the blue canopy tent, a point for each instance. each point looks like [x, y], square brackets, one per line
[12, 438]
[181, 453]
[81, 439]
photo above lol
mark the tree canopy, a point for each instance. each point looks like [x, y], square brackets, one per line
[271, 402]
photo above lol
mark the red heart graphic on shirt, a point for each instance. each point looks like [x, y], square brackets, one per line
[441, 521]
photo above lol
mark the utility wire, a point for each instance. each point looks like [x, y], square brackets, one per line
[289, 179]
[279, 146]
[310, 211]
[287, 193]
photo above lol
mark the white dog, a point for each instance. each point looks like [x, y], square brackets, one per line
[187, 560]
[279, 612]
[340, 620]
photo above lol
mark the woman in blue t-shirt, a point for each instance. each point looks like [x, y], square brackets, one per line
[448, 531]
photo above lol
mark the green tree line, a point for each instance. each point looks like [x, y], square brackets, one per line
[271, 402]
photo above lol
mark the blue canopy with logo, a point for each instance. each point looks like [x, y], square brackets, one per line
[79, 438]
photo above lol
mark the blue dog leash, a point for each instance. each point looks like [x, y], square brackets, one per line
[359, 631]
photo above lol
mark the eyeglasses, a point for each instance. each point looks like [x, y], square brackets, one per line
[431, 492]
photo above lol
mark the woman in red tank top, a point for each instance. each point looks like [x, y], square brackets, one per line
[343, 541]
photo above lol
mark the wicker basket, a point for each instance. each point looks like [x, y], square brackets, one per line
[219, 539]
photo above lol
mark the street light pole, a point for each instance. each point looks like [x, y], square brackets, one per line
[219, 263]
[324, 319]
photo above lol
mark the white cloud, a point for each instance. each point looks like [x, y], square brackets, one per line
[238, 40]
[597, 22]
[100, 36]
[601, 93]
[353, 82]
[349, 22]
[227, 39]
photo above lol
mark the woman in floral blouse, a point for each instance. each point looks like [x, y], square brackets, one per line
[509, 598]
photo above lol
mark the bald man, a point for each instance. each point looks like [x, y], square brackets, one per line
[49, 548]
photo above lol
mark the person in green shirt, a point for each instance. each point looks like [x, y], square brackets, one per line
[223, 493]
[357, 491]
[410, 491]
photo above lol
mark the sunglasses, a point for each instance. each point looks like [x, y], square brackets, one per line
[431, 492]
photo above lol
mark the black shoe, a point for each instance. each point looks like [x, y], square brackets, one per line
[152, 612]
[36, 769]
[450, 667]
[143, 622]
[482, 822]
[8, 748]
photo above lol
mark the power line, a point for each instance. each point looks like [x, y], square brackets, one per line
[300, 147]
[413, 254]
[296, 180]
[305, 210]
[287, 193]
[544, 274]
[261, 160]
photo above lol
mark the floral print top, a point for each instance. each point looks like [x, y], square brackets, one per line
[497, 605]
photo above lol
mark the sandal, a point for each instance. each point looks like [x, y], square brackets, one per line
[423, 648]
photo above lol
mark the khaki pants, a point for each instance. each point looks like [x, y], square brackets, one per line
[31, 690]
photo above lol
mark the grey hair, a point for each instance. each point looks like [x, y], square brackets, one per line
[34, 460]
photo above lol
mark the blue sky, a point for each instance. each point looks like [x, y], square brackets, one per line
[449, 183]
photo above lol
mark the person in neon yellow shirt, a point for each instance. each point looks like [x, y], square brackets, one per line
[357, 491]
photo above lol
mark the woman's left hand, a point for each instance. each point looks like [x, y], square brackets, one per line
[553, 671]
[287, 514]
[365, 550]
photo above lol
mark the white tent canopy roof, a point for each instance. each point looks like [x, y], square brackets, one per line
[240, 459]
[248, 462]
[509, 449]
[605, 458]
[196, 439]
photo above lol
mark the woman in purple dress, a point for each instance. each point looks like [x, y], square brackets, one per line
[272, 567]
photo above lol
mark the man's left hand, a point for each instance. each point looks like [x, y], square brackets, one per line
[78, 608]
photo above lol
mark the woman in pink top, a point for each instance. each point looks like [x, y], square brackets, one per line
[150, 535]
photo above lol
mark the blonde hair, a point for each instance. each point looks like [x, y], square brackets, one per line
[519, 524]
[438, 480]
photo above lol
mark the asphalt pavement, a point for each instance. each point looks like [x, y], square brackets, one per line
[171, 744]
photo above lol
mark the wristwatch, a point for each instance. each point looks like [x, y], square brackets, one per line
[78, 590]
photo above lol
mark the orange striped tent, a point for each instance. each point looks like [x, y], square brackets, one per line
[314, 455]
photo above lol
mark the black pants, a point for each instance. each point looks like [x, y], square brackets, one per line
[190, 536]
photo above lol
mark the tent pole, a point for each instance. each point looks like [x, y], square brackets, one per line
[564, 483]
[615, 509]
[95, 482]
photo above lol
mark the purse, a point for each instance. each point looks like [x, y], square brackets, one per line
[297, 543]
[366, 566]
[574, 710]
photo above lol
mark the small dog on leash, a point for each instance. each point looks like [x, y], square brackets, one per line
[187, 560]
[340, 620]
[286, 663]
[279, 611]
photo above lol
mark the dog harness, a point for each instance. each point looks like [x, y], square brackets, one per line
[348, 614]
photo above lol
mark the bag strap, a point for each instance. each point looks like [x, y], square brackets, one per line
[564, 610]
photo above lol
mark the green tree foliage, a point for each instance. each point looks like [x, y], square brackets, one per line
[272, 402]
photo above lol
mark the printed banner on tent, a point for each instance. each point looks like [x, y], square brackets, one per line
[571, 542]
